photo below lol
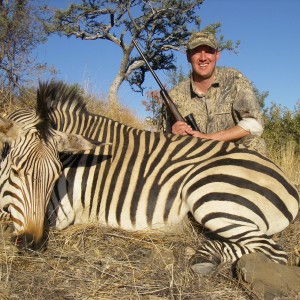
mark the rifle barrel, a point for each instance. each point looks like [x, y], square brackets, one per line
[164, 94]
[148, 65]
[166, 97]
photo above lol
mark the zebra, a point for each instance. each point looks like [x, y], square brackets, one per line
[30, 167]
[135, 179]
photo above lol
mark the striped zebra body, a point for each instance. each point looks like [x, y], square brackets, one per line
[148, 180]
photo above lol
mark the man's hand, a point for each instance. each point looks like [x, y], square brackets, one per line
[232, 134]
[198, 134]
[181, 128]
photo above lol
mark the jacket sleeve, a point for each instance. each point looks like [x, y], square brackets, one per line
[246, 107]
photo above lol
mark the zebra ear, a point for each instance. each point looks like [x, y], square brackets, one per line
[9, 130]
[74, 143]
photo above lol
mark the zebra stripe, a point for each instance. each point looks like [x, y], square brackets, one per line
[148, 180]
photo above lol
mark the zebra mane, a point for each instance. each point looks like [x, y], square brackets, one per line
[56, 95]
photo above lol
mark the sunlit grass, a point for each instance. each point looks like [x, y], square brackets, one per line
[289, 161]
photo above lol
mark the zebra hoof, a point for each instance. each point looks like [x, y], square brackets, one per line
[203, 263]
[204, 268]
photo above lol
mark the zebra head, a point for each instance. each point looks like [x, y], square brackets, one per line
[29, 168]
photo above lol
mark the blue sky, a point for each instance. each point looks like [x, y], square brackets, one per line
[268, 53]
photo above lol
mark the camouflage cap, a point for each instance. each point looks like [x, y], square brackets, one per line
[202, 38]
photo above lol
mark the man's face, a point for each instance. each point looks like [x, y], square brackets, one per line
[203, 60]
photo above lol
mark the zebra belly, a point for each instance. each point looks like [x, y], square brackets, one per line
[141, 221]
[143, 205]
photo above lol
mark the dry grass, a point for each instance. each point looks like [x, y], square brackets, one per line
[93, 262]
[95, 104]
[125, 115]
[289, 161]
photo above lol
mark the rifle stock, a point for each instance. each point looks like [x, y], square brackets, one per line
[166, 97]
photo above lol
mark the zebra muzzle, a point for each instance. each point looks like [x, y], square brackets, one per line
[27, 242]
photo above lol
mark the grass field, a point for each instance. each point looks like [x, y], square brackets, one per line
[92, 262]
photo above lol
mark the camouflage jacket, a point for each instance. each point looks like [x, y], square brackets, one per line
[229, 99]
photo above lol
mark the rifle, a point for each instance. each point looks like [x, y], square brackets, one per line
[189, 119]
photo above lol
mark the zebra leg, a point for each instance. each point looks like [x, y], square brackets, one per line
[215, 252]
[267, 246]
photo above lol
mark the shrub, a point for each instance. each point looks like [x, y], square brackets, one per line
[282, 126]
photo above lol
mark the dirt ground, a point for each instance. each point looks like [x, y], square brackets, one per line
[93, 262]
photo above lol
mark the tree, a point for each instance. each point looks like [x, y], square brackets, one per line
[21, 31]
[159, 26]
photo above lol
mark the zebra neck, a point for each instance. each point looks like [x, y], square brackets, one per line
[95, 127]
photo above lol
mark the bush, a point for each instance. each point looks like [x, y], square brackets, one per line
[282, 126]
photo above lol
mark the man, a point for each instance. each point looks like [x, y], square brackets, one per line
[222, 100]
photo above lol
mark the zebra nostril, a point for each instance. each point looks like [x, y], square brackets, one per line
[23, 241]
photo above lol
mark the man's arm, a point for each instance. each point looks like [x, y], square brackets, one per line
[232, 134]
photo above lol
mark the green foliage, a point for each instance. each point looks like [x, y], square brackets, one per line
[282, 126]
[222, 43]
[176, 76]
[261, 96]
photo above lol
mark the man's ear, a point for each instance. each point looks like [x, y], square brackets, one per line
[188, 56]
